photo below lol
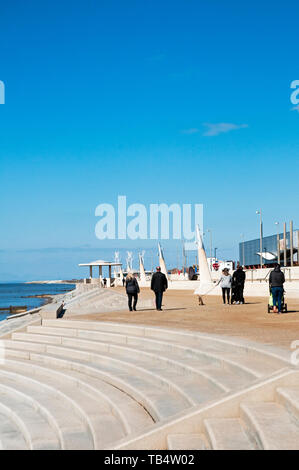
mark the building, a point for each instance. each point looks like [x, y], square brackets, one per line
[279, 248]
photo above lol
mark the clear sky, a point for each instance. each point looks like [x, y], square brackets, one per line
[181, 101]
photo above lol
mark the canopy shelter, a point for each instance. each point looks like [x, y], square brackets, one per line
[100, 264]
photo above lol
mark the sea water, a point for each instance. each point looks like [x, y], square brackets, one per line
[19, 293]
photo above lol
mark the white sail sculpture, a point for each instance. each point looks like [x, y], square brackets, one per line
[118, 272]
[206, 283]
[141, 269]
[162, 261]
[129, 261]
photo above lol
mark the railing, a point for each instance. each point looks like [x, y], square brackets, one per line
[289, 275]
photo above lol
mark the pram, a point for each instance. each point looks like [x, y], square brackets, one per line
[284, 306]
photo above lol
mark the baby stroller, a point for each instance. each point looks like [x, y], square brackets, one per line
[284, 306]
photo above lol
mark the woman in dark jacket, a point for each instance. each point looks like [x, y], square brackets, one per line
[132, 289]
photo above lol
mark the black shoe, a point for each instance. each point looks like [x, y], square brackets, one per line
[134, 309]
[131, 310]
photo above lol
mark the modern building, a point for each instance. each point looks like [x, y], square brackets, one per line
[280, 248]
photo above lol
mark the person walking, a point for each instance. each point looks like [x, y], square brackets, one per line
[159, 285]
[276, 281]
[239, 283]
[225, 282]
[132, 290]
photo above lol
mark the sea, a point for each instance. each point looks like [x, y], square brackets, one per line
[19, 293]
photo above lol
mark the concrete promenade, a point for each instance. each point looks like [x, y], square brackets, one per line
[176, 379]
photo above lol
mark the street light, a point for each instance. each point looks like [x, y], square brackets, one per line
[278, 243]
[261, 237]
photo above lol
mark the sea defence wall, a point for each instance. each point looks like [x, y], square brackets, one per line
[252, 289]
[77, 384]
[89, 298]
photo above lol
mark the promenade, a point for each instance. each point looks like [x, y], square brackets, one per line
[181, 310]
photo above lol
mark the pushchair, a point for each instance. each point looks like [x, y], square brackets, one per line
[284, 306]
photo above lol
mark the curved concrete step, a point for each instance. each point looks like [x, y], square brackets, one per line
[227, 434]
[31, 419]
[204, 341]
[11, 437]
[150, 360]
[160, 402]
[131, 415]
[271, 425]
[159, 374]
[205, 349]
[186, 442]
[81, 421]
[289, 398]
[239, 363]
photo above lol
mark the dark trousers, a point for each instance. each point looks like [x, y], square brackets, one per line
[226, 290]
[277, 293]
[239, 294]
[130, 297]
[159, 296]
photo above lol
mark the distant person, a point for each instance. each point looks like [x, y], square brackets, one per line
[239, 283]
[159, 285]
[225, 282]
[60, 311]
[105, 282]
[276, 281]
[124, 281]
[132, 289]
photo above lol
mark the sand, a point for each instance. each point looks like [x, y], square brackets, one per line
[181, 310]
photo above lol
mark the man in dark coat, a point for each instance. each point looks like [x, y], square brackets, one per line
[276, 281]
[159, 285]
[238, 283]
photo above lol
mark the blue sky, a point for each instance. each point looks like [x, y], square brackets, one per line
[182, 101]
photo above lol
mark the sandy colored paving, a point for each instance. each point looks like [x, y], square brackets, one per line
[181, 310]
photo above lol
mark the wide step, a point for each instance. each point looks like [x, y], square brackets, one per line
[161, 402]
[11, 438]
[98, 397]
[34, 426]
[227, 434]
[186, 442]
[272, 426]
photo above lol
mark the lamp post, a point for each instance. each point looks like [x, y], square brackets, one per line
[278, 243]
[261, 237]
